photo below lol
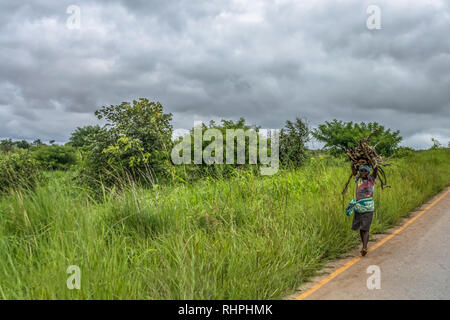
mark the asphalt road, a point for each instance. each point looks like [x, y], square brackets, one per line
[413, 262]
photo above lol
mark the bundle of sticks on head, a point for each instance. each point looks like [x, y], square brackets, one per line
[365, 154]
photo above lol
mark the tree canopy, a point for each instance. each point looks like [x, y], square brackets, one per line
[83, 136]
[293, 139]
[339, 136]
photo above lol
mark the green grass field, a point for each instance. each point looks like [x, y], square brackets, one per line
[246, 237]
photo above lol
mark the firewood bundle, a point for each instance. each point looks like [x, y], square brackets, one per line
[365, 154]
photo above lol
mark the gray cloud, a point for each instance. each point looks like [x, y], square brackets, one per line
[268, 61]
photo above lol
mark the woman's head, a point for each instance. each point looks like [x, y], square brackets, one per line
[364, 171]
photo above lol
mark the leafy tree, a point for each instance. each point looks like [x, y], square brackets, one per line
[246, 156]
[223, 127]
[37, 143]
[55, 157]
[339, 136]
[22, 144]
[127, 149]
[84, 136]
[134, 143]
[436, 144]
[95, 162]
[18, 170]
[293, 139]
[6, 145]
[141, 120]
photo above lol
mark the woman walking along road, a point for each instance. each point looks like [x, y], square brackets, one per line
[362, 219]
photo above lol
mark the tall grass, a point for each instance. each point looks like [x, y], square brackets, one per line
[246, 237]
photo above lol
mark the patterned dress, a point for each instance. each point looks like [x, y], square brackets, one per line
[364, 189]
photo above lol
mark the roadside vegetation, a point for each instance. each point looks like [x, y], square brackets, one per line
[111, 202]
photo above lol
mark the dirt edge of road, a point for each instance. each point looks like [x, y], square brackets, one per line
[333, 265]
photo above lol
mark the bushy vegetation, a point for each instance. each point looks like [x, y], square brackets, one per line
[8, 145]
[247, 237]
[18, 170]
[340, 136]
[215, 141]
[55, 157]
[293, 139]
[22, 163]
[134, 144]
[85, 136]
[403, 152]
[112, 202]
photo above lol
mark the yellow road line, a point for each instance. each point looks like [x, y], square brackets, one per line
[378, 244]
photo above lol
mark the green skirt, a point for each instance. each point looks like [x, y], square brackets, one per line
[360, 206]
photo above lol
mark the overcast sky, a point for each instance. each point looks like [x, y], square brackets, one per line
[267, 61]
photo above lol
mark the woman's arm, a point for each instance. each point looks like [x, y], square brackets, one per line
[354, 171]
[375, 172]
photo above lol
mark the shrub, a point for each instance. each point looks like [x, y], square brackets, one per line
[340, 136]
[436, 144]
[6, 145]
[220, 142]
[402, 152]
[134, 145]
[55, 157]
[293, 139]
[82, 137]
[18, 170]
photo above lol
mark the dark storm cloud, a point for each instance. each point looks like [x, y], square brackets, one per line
[265, 60]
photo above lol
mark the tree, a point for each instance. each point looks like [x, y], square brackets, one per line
[135, 142]
[22, 144]
[436, 144]
[19, 170]
[223, 127]
[37, 143]
[339, 136]
[293, 139]
[142, 120]
[84, 136]
[55, 157]
[6, 145]
[239, 144]
[220, 149]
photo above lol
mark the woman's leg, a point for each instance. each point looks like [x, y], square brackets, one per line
[364, 237]
[366, 222]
